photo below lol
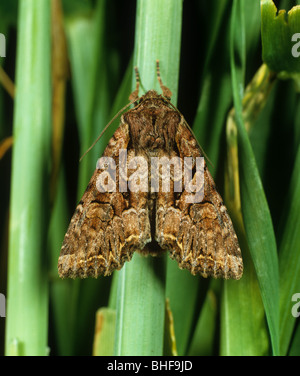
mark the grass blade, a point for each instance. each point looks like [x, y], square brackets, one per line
[141, 283]
[243, 329]
[140, 307]
[289, 261]
[212, 109]
[280, 26]
[257, 218]
[104, 332]
[203, 339]
[27, 318]
[295, 343]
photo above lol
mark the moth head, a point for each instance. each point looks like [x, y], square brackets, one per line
[151, 94]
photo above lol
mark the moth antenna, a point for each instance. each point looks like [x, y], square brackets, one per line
[105, 128]
[135, 94]
[166, 91]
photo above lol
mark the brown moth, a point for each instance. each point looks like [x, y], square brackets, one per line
[108, 226]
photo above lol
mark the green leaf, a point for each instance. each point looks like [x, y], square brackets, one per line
[27, 310]
[89, 84]
[79, 299]
[243, 326]
[279, 39]
[256, 214]
[203, 337]
[212, 109]
[141, 283]
[169, 339]
[182, 304]
[104, 332]
[220, 54]
[295, 343]
[63, 296]
[289, 261]
[140, 307]
[158, 36]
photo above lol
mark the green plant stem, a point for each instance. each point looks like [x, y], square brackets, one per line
[141, 283]
[289, 262]
[256, 214]
[27, 311]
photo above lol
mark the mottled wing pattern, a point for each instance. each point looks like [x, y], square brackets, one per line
[199, 236]
[104, 231]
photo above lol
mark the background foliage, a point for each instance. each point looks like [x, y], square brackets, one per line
[67, 91]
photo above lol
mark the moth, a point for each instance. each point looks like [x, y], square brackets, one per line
[108, 226]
